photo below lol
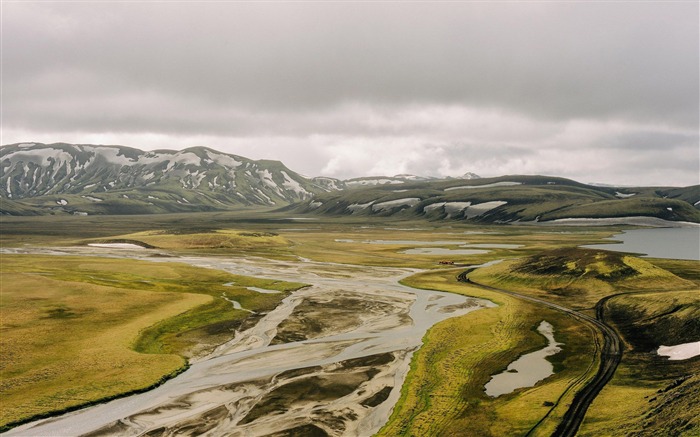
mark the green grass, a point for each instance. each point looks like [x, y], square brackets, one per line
[444, 391]
[661, 396]
[578, 278]
[68, 319]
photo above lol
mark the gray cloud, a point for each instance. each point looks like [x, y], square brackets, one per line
[344, 83]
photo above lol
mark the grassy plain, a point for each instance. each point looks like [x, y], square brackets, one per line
[578, 278]
[649, 306]
[444, 392]
[662, 397]
[79, 329]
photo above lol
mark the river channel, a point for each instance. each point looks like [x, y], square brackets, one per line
[343, 379]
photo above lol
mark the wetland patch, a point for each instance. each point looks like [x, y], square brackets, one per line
[527, 370]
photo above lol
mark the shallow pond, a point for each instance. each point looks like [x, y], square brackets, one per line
[402, 242]
[443, 251]
[673, 243]
[527, 370]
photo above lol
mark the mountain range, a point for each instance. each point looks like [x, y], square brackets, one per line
[89, 179]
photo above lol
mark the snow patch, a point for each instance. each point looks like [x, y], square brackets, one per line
[632, 220]
[680, 351]
[432, 206]
[495, 184]
[112, 155]
[359, 206]
[63, 202]
[223, 160]
[293, 185]
[623, 195]
[454, 208]
[482, 208]
[391, 204]
[314, 205]
[94, 199]
[373, 182]
[41, 157]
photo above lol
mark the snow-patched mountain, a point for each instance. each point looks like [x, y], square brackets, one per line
[384, 180]
[507, 199]
[111, 177]
[470, 175]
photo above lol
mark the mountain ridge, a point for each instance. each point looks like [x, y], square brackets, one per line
[63, 178]
[154, 181]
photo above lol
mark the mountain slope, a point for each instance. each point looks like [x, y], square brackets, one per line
[508, 199]
[115, 179]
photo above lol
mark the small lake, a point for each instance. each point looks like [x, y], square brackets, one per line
[442, 251]
[527, 370]
[672, 243]
[401, 242]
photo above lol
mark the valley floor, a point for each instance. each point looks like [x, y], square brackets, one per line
[296, 328]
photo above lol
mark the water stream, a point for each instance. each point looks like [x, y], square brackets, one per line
[381, 318]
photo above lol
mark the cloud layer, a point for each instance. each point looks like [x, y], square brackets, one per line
[594, 91]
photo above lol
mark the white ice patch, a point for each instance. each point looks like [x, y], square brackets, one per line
[94, 199]
[670, 209]
[454, 208]
[111, 155]
[495, 184]
[63, 202]
[391, 204]
[432, 206]
[223, 160]
[40, 156]
[359, 206]
[264, 197]
[315, 204]
[293, 185]
[266, 178]
[373, 182]
[680, 351]
[182, 158]
[623, 195]
[482, 208]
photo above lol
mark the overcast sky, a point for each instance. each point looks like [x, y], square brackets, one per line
[595, 91]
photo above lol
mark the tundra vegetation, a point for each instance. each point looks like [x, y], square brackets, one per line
[80, 329]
